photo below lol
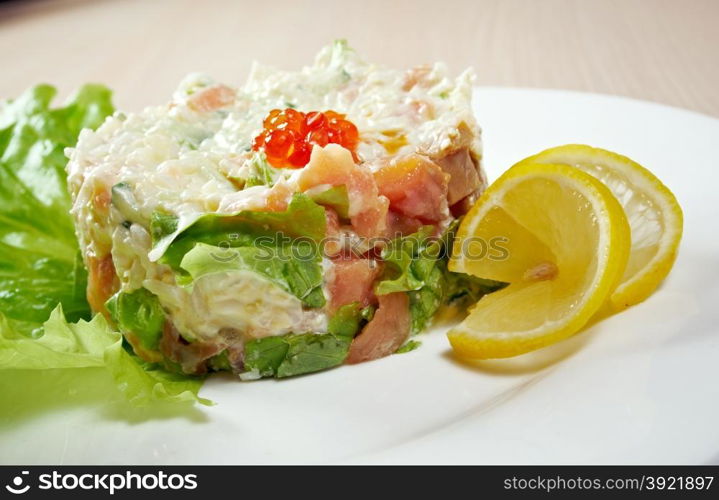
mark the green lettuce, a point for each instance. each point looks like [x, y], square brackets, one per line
[417, 264]
[163, 225]
[346, 320]
[295, 354]
[410, 259]
[140, 313]
[298, 354]
[86, 344]
[281, 246]
[293, 267]
[411, 345]
[336, 198]
[60, 345]
[303, 220]
[44, 315]
[39, 263]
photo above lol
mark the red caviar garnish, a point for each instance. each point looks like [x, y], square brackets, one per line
[288, 135]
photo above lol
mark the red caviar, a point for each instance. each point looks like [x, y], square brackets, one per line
[288, 135]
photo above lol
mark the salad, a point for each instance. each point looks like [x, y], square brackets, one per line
[300, 222]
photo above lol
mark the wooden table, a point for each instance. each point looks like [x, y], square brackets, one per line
[660, 50]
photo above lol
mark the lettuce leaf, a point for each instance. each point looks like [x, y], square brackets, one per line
[293, 267]
[408, 257]
[336, 198]
[61, 344]
[346, 320]
[139, 313]
[417, 264]
[39, 264]
[303, 220]
[295, 354]
[298, 354]
[43, 310]
[92, 344]
[264, 356]
[410, 346]
[426, 301]
[163, 225]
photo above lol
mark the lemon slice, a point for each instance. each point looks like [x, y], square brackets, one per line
[654, 215]
[559, 238]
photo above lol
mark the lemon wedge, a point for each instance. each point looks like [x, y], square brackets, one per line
[559, 238]
[654, 215]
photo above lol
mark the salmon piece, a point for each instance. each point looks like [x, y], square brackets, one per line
[333, 165]
[401, 225]
[332, 244]
[373, 221]
[385, 333]
[463, 176]
[416, 187]
[101, 282]
[352, 280]
[211, 99]
[467, 179]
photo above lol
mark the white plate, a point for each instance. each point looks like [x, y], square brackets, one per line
[640, 387]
